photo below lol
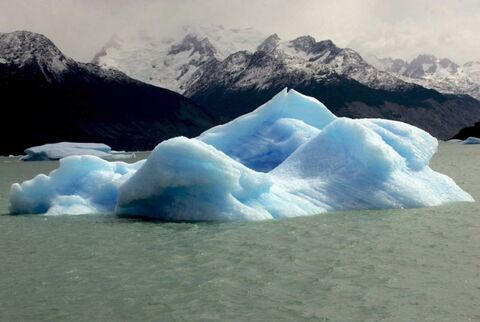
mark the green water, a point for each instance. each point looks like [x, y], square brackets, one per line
[395, 265]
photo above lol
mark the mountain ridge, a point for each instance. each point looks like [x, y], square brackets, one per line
[441, 74]
[177, 65]
[52, 98]
[234, 84]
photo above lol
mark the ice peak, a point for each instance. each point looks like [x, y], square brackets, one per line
[291, 104]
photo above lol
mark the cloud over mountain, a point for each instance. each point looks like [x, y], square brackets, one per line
[446, 28]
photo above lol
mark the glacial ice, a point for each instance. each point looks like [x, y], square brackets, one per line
[471, 140]
[56, 151]
[262, 139]
[290, 157]
[82, 184]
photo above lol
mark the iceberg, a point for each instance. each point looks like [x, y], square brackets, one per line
[262, 139]
[81, 185]
[290, 157]
[471, 140]
[56, 151]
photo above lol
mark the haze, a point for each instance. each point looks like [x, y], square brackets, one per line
[397, 28]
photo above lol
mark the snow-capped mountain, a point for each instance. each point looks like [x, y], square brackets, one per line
[303, 56]
[316, 57]
[48, 97]
[232, 80]
[177, 65]
[243, 80]
[174, 63]
[429, 71]
[24, 49]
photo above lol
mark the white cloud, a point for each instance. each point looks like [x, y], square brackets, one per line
[397, 28]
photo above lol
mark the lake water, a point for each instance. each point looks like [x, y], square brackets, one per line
[393, 265]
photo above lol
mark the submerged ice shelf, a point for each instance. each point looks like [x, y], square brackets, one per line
[290, 157]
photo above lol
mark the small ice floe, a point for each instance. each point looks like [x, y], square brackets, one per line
[56, 151]
[471, 140]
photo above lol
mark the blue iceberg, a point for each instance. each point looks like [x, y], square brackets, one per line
[290, 157]
[471, 140]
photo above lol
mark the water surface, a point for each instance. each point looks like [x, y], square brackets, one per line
[394, 265]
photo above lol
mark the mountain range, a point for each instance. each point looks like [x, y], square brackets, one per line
[210, 76]
[232, 80]
[177, 64]
[429, 71]
[48, 97]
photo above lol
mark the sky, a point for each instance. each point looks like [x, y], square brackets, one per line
[393, 28]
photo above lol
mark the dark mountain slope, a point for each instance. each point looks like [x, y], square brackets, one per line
[467, 132]
[47, 97]
[244, 81]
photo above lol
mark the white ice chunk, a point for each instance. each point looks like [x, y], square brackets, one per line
[56, 151]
